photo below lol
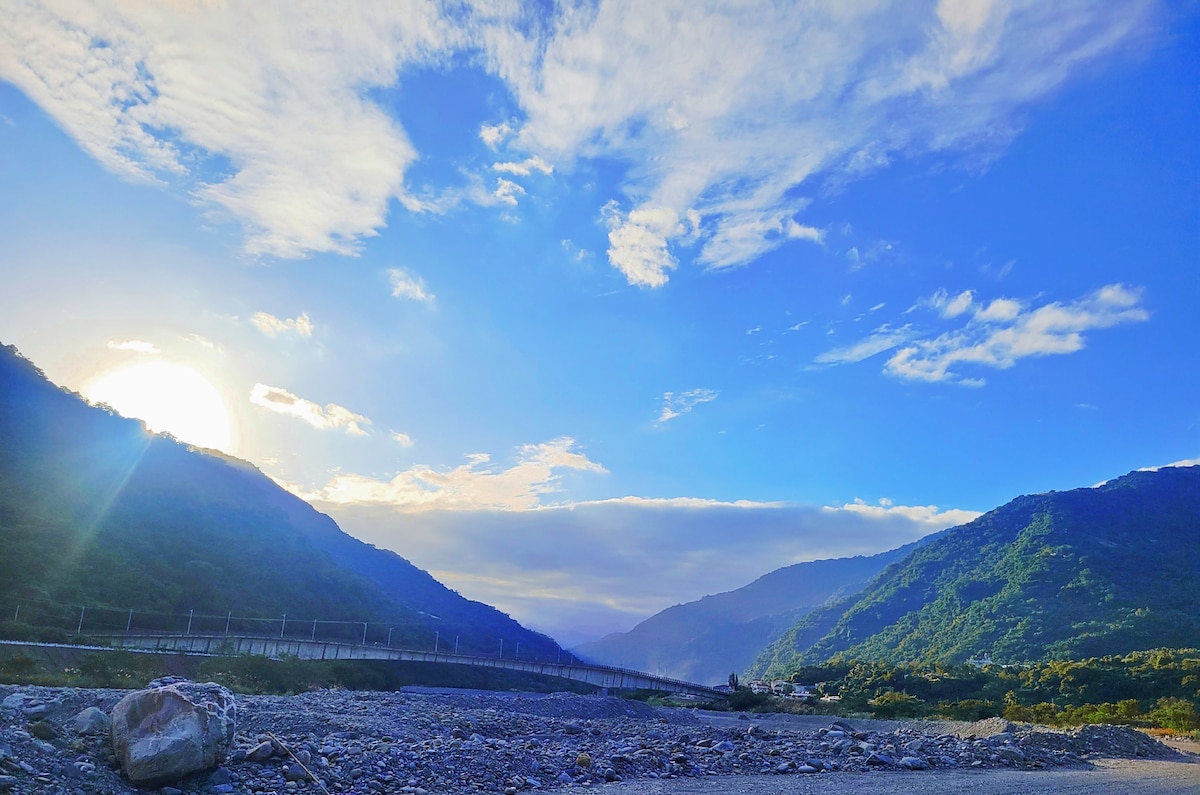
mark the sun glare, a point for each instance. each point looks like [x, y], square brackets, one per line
[169, 398]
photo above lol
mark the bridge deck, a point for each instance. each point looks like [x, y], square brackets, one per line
[598, 675]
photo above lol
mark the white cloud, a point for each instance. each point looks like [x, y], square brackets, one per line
[330, 416]
[676, 405]
[507, 192]
[637, 243]
[495, 134]
[584, 569]
[997, 335]
[273, 326]
[152, 91]
[883, 339]
[406, 285]
[952, 305]
[1002, 338]
[1186, 462]
[202, 341]
[525, 167]
[927, 515]
[474, 486]
[286, 137]
[402, 439]
[136, 346]
[810, 94]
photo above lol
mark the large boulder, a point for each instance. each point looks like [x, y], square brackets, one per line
[166, 732]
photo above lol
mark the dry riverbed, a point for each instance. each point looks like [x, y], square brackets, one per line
[466, 742]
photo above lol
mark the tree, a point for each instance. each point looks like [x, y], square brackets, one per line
[734, 684]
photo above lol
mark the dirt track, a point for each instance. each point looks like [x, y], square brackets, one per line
[1106, 777]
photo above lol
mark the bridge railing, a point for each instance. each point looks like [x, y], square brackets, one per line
[102, 621]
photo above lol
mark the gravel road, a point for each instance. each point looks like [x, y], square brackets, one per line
[1103, 777]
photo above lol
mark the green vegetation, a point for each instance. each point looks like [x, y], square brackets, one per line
[1062, 575]
[1158, 688]
[96, 512]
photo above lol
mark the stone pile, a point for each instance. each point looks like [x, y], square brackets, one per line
[357, 743]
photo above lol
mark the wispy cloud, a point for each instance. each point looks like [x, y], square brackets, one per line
[274, 326]
[928, 515]
[402, 439]
[1002, 333]
[834, 94]
[474, 486]
[406, 285]
[525, 167]
[329, 416]
[310, 160]
[995, 335]
[153, 92]
[676, 404]
[883, 339]
[507, 192]
[135, 346]
[495, 134]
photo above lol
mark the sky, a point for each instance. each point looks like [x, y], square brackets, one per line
[594, 308]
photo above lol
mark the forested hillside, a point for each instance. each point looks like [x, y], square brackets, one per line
[1063, 575]
[95, 511]
[706, 640]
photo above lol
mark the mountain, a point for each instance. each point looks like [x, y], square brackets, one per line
[1063, 575]
[706, 640]
[95, 511]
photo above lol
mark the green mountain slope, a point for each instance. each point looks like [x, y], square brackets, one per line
[1081, 573]
[95, 511]
[706, 640]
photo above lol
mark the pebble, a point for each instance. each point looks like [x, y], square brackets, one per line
[362, 743]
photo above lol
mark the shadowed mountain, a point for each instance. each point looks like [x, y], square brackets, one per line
[96, 511]
[1068, 575]
[706, 640]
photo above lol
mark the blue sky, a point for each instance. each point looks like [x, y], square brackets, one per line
[594, 309]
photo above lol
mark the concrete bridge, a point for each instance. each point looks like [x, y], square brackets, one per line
[228, 645]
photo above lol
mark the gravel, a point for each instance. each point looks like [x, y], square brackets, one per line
[363, 743]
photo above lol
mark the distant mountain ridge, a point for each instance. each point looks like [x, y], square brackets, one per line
[706, 640]
[1094, 571]
[95, 511]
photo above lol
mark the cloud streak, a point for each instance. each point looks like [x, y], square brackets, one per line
[678, 404]
[274, 326]
[328, 417]
[136, 346]
[723, 146]
[994, 335]
[477, 485]
[406, 285]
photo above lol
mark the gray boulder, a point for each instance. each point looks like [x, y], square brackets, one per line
[162, 734]
[92, 721]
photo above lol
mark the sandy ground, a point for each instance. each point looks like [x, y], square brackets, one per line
[1105, 777]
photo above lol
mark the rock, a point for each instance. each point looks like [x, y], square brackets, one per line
[806, 769]
[913, 763]
[163, 734]
[16, 701]
[880, 759]
[7, 783]
[1010, 753]
[92, 721]
[564, 778]
[261, 752]
[43, 730]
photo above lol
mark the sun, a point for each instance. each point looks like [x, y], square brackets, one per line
[169, 398]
